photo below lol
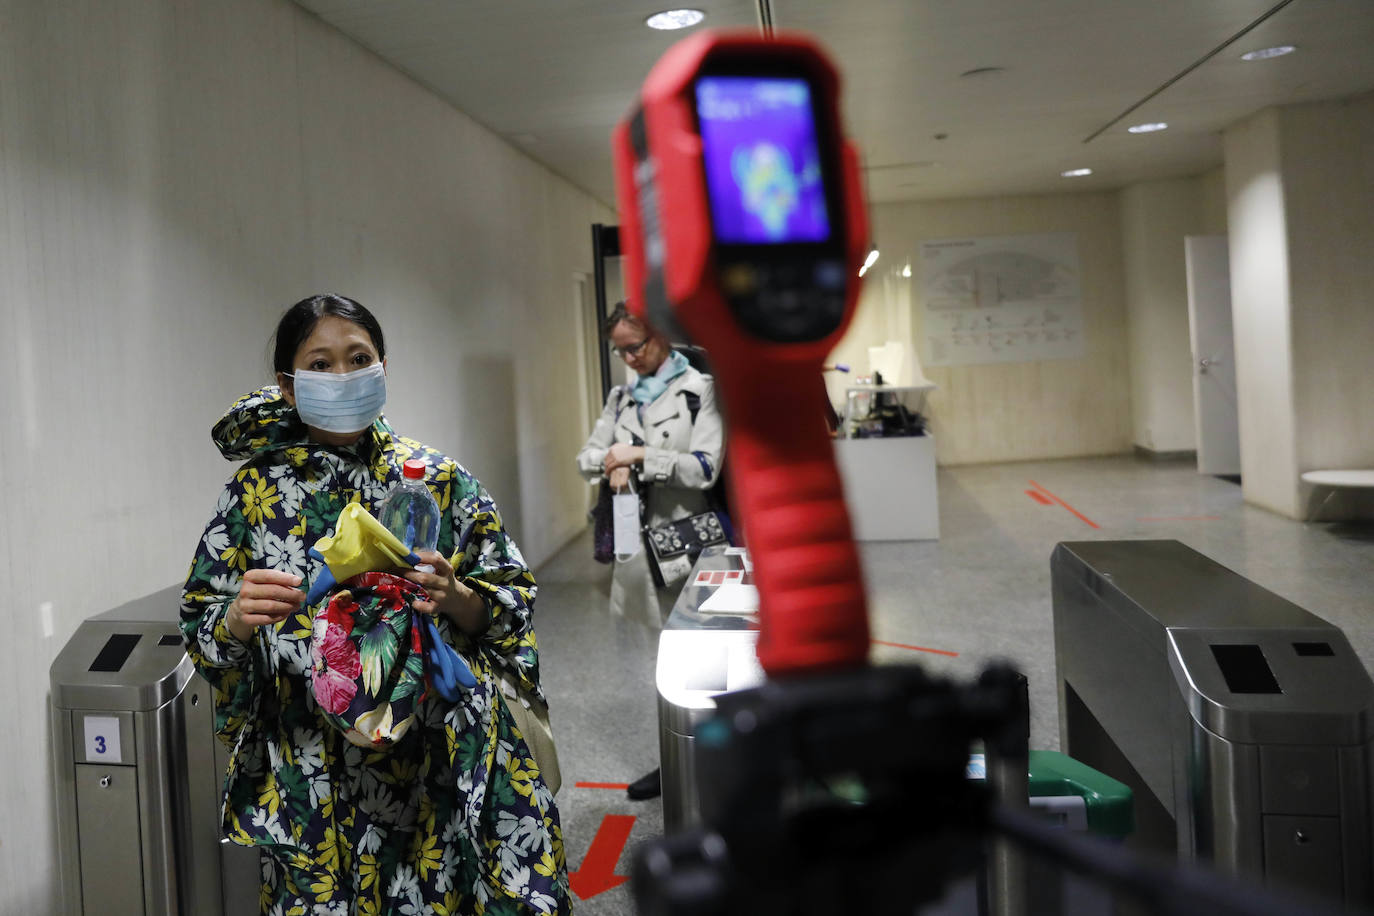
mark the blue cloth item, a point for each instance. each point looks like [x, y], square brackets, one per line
[324, 583]
[449, 674]
[647, 388]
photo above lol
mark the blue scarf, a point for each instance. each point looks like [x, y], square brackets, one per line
[647, 388]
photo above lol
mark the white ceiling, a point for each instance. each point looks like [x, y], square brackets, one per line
[553, 76]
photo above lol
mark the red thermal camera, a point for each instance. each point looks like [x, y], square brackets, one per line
[743, 224]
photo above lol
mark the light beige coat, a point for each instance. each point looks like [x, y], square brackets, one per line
[682, 460]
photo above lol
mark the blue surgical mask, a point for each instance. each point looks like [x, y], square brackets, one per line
[336, 402]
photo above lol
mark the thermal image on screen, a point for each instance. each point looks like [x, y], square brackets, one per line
[763, 165]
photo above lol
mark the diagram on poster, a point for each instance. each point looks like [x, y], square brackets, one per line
[1001, 299]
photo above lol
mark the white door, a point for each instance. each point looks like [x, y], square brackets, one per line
[1214, 365]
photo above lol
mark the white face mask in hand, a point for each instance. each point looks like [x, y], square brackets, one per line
[625, 515]
[340, 402]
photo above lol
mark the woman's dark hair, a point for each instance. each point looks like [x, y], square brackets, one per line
[618, 314]
[300, 320]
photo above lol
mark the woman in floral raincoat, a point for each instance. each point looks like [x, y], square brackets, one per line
[454, 817]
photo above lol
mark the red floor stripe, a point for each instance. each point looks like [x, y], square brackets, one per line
[899, 645]
[1039, 497]
[1089, 522]
[1182, 518]
[602, 785]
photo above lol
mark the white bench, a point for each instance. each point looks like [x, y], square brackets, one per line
[1337, 480]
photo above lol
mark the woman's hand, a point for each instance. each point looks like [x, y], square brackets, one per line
[619, 479]
[450, 597]
[622, 455]
[265, 596]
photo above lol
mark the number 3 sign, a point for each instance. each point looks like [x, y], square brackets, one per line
[102, 739]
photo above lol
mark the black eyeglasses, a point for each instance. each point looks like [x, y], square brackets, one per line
[632, 349]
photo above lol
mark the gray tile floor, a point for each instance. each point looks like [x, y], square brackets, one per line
[981, 591]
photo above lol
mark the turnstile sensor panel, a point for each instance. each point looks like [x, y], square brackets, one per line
[115, 652]
[1245, 669]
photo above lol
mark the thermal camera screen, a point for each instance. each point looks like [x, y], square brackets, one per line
[762, 160]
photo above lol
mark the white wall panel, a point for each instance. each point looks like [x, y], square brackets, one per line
[1300, 186]
[1260, 311]
[172, 176]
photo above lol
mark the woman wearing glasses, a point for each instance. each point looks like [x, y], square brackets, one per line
[661, 437]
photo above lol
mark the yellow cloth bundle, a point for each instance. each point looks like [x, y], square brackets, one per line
[360, 544]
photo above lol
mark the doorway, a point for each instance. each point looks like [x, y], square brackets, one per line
[1215, 414]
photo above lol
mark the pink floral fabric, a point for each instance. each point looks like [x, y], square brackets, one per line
[367, 669]
[335, 666]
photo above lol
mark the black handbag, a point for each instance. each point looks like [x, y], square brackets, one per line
[675, 546]
[603, 526]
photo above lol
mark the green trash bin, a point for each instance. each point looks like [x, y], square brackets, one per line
[1076, 797]
[1079, 798]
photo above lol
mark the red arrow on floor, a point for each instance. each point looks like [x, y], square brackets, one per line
[597, 873]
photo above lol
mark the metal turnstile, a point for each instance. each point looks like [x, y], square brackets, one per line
[139, 773]
[1241, 721]
[700, 654]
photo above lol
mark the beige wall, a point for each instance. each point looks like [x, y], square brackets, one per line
[1009, 411]
[1300, 189]
[172, 175]
[1156, 216]
[1328, 169]
[1211, 188]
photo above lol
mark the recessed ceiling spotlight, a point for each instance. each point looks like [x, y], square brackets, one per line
[1266, 53]
[1076, 173]
[675, 19]
[1147, 128]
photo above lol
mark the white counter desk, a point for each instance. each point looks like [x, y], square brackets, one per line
[889, 482]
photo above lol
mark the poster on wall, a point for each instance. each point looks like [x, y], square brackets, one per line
[1002, 299]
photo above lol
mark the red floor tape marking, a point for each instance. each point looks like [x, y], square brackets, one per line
[1089, 522]
[597, 874]
[900, 645]
[601, 785]
[1039, 497]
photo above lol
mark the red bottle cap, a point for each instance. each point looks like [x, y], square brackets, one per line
[414, 469]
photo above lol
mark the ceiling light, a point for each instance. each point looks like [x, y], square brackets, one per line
[1266, 53]
[906, 270]
[675, 19]
[1076, 173]
[1147, 128]
[870, 260]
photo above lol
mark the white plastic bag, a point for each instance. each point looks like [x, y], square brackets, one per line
[625, 515]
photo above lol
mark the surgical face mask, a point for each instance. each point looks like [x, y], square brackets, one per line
[340, 402]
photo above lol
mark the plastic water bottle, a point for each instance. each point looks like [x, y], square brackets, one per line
[410, 512]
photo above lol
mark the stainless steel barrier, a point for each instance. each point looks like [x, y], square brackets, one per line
[1244, 724]
[700, 654]
[139, 773]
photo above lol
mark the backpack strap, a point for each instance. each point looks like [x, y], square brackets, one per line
[693, 403]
